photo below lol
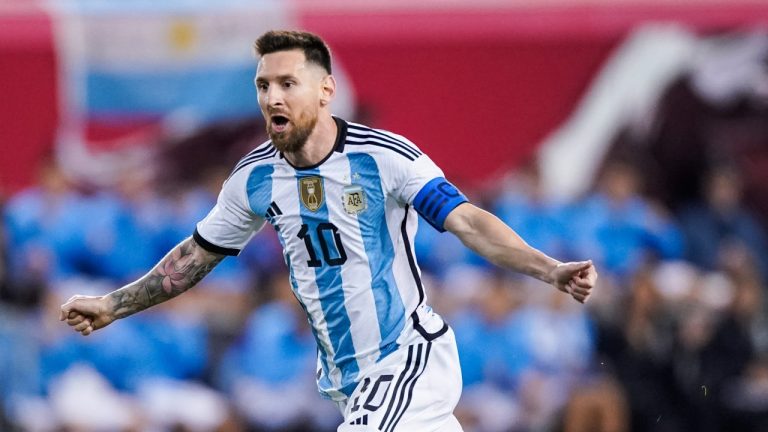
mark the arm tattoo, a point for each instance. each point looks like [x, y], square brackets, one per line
[177, 272]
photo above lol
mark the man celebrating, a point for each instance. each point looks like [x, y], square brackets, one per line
[343, 199]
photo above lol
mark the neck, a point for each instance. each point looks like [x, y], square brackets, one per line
[319, 143]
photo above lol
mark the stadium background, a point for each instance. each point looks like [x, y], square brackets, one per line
[631, 132]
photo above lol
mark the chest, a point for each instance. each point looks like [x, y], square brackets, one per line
[325, 210]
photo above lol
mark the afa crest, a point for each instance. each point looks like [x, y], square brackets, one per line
[311, 192]
[354, 199]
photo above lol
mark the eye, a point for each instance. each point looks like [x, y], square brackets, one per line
[288, 84]
[262, 86]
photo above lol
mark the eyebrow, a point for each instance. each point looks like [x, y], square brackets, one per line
[277, 78]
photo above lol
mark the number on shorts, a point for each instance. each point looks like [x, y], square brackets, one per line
[375, 402]
[378, 393]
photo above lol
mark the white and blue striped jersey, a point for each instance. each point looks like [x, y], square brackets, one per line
[346, 226]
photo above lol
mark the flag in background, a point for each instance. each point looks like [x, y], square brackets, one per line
[145, 66]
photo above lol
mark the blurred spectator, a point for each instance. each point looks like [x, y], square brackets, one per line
[746, 398]
[560, 338]
[268, 371]
[619, 228]
[521, 352]
[638, 346]
[19, 357]
[712, 347]
[686, 334]
[120, 238]
[721, 221]
[157, 345]
[597, 406]
[441, 255]
[522, 205]
[143, 372]
[42, 225]
[489, 351]
[492, 357]
[748, 303]
[716, 340]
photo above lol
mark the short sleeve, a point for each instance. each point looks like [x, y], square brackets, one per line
[413, 175]
[422, 184]
[230, 224]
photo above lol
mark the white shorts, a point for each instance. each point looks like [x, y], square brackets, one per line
[414, 389]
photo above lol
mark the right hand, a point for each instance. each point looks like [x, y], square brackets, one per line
[87, 313]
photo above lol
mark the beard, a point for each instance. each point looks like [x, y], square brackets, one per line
[293, 139]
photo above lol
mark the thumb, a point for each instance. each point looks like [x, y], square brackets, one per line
[78, 304]
[66, 308]
[577, 266]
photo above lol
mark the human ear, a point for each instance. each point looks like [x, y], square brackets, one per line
[327, 90]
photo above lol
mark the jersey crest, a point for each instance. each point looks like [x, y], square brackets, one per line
[354, 199]
[312, 193]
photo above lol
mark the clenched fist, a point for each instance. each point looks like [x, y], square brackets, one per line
[575, 278]
[87, 313]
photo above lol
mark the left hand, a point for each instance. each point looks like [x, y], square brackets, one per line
[575, 278]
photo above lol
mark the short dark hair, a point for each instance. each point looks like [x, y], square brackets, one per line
[315, 50]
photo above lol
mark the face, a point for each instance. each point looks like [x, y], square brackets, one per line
[724, 190]
[620, 182]
[291, 94]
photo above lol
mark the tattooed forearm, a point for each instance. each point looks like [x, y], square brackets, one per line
[179, 271]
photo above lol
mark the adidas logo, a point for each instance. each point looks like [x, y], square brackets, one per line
[360, 420]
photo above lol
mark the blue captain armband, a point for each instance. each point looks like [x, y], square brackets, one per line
[436, 200]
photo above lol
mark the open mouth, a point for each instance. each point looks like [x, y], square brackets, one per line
[279, 123]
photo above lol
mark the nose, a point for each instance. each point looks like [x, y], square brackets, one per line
[273, 97]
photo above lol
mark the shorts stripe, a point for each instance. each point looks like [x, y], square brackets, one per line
[409, 382]
[410, 389]
[397, 386]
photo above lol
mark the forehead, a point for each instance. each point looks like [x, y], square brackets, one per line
[280, 63]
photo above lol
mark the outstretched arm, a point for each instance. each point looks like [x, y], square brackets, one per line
[485, 234]
[182, 268]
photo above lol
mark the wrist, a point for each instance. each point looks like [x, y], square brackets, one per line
[109, 303]
[550, 275]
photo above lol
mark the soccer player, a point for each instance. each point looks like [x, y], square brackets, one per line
[343, 199]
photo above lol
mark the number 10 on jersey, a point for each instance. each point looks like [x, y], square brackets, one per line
[324, 234]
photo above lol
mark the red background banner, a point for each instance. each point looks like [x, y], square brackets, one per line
[476, 89]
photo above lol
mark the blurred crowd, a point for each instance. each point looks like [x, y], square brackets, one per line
[675, 338]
